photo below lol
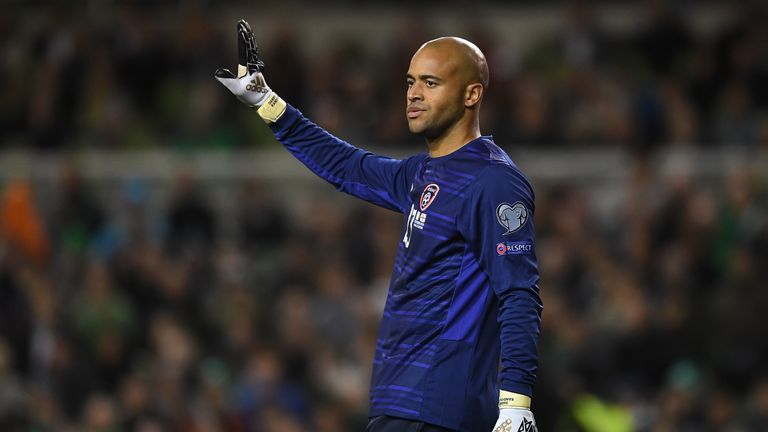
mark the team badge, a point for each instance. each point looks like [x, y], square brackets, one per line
[429, 195]
[511, 216]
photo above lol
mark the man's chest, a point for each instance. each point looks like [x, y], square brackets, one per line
[432, 219]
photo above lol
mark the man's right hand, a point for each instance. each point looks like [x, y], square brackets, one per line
[249, 85]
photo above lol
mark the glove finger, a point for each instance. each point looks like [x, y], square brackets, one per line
[243, 30]
[224, 73]
[232, 84]
[248, 50]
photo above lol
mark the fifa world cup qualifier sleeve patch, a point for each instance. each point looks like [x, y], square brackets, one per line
[511, 216]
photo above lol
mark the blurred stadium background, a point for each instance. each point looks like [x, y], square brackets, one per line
[166, 266]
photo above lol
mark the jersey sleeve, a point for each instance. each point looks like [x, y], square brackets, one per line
[498, 226]
[377, 179]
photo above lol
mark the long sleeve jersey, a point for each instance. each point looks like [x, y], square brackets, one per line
[463, 313]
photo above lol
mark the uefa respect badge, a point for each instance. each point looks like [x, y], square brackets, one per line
[514, 248]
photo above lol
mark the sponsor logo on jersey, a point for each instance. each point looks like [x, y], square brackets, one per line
[511, 216]
[416, 219]
[428, 196]
[514, 248]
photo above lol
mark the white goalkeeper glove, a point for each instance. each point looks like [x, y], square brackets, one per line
[514, 413]
[249, 85]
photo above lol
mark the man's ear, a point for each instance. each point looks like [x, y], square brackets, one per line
[473, 95]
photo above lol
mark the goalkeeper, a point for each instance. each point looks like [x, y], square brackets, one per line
[457, 345]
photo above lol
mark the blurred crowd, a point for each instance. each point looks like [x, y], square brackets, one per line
[119, 315]
[130, 307]
[141, 75]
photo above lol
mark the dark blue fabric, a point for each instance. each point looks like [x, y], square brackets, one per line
[464, 290]
[393, 424]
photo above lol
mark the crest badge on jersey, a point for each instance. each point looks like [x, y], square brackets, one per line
[511, 216]
[428, 196]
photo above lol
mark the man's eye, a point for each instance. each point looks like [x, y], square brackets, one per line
[409, 83]
[431, 83]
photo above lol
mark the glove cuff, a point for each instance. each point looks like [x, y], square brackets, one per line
[272, 109]
[513, 400]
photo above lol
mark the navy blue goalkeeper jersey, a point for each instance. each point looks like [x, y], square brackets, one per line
[462, 316]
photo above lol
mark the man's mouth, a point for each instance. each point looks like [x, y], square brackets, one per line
[413, 112]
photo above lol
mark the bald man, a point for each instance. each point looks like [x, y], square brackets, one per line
[446, 81]
[457, 345]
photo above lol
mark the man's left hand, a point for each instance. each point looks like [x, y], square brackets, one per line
[515, 420]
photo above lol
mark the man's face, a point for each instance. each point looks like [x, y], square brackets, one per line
[435, 92]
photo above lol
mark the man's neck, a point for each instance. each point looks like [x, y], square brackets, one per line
[453, 139]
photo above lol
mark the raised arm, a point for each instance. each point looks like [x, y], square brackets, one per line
[380, 180]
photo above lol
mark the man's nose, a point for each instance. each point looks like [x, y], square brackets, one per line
[414, 93]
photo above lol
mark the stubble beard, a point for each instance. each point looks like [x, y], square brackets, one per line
[433, 128]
